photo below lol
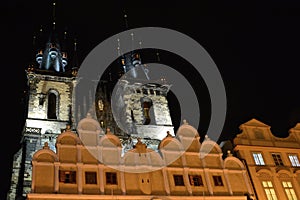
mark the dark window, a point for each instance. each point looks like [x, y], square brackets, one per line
[277, 159]
[52, 106]
[90, 177]
[67, 176]
[146, 105]
[218, 180]
[196, 180]
[178, 180]
[111, 178]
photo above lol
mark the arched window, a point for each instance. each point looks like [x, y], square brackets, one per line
[52, 106]
[147, 111]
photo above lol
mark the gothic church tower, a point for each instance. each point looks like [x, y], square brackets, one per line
[51, 81]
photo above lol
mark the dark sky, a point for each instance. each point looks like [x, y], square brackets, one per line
[255, 45]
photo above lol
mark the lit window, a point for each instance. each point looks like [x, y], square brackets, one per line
[294, 160]
[289, 191]
[196, 180]
[90, 177]
[178, 180]
[67, 176]
[218, 180]
[258, 159]
[269, 190]
[111, 178]
[100, 105]
[277, 159]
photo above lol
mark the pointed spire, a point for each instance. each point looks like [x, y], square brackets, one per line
[125, 20]
[54, 14]
[157, 56]
[75, 62]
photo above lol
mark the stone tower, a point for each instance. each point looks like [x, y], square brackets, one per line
[51, 81]
[138, 106]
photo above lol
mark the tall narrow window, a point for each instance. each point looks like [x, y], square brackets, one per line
[269, 190]
[289, 191]
[51, 114]
[111, 178]
[294, 160]
[277, 159]
[178, 180]
[146, 105]
[258, 158]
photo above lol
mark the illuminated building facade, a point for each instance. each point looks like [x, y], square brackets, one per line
[273, 162]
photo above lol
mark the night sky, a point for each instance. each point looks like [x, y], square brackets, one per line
[255, 45]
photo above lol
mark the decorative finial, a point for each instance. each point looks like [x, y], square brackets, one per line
[75, 44]
[125, 20]
[169, 134]
[88, 115]
[185, 122]
[68, 127]
[139, 140]
[46, 145]
[206, 137]
[157, 56]
[108, 131]
[119, 47]
[229, 153]
[132, 41]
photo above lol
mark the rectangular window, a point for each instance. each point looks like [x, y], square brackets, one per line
[178, 180]
[90, 178]
[277, 159]
[67, 176]
[218, 180]
[294, 160]
[269, 190]
[111, 178]
[258, 158]
[196, 180]
[289, 191]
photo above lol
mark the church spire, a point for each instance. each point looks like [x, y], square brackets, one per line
[54, 15]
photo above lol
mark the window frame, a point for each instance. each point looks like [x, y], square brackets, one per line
[294, 159]
[67, 176]
[277, 158]
[269, 190]
[194, 182]
[259, 158]
[289, 190]
[90, 177]
[218, 180]
[111, 178]
[178, 180]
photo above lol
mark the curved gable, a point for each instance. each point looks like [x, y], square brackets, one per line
[68, 138]
[45, 155]
[233, 163]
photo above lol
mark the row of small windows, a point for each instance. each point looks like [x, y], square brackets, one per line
[259, 160]
[111, 178]
[90, 177]
[271, 194]
[196, 180]
[150, 91]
